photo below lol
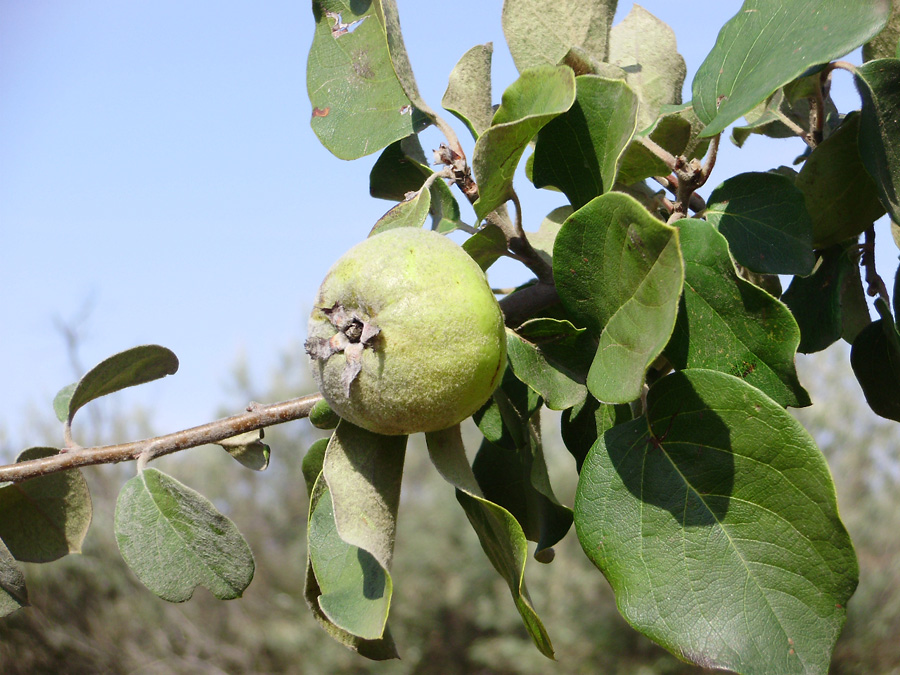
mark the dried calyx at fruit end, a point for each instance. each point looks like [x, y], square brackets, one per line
[355, 333]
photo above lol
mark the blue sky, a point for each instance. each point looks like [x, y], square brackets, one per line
[157, 169]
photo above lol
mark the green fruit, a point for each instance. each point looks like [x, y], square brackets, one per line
[406, 334]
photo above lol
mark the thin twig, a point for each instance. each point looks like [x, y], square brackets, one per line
[257, 417]
[667, 157]
[670, 182]
[874, 282]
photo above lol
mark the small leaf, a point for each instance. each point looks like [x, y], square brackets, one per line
[645, 48]
[313, 461]
[875, 358]
[248, 449]
[879, 128]
[61, 401]
[322, 416]
[359, 103]
[498, 531]
[541, 33]
[764, 218]
[553, 358]
[486, 246]
[578, 151]
[409, 213]
[841, 197]
[43, 519]
[542, 241]
[582, 424]
[539, 95]
[468, 94]
[769, 43]
[619, 272]
[702, 523]
[175, 540]
[130, 368]
[13, 593]
[676, 130]
[728, 324]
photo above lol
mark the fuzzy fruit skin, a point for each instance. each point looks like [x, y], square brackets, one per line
[441, 350]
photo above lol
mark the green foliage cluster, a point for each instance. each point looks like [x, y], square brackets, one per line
[664, 340]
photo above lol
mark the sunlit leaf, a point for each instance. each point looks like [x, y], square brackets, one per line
[764, 218]
[539, 95]
[486, 246]
[879, 128]
[768, 43]
[468, 94]
[358, 101]
[175, 540]
[645, 48]
[498, 531]
[130, 368]
[541, 33]
[619, 272]
[578, 152]
[409, 213]
[730, 325]
[718, 544]
[841, 197]
[43, 519]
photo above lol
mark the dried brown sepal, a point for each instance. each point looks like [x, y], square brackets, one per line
[354, 334]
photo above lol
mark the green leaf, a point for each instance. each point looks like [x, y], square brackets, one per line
[578, 151]
[841, 197]
[764, 218]
[351, 541]
[486, 246]
[815, 301]
[553, 358]
[61, 401]
[468, 94]
[619, 272]
[498, 531]
[645, 48]
[342, 573]
[13, 593]
[885, 45]
[541, 33]
[539, 95]
[130, 368]
[676, 130]
[402, 168]
[542, 241]
[43, 519]
[359, 103]
[768, 43]
[771, 118]
[582, 424]
[879, 128]
[175, 540]
[248, 449]
[718, 544]
[313, 461]
[875, 358]
[322, 416]
[730, 325]
[409, 213]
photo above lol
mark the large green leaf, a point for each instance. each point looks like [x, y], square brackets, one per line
[379, 649]
[351, 536]
[730, 325]
[468, 94]
[841, 197]
[552, 357]
[541, 33]
[875, 358]
[130, 368]
[539, 95]
[578, 152]
[175, 540]
[13, 593]
[764, 218]
[358, 99]
[645, 48]
[619, 272]
[768, 43]
[498, 531]
[719, 544]
[879, 128]
[45, 518]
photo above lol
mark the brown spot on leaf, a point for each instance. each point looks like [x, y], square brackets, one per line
[321, 112]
